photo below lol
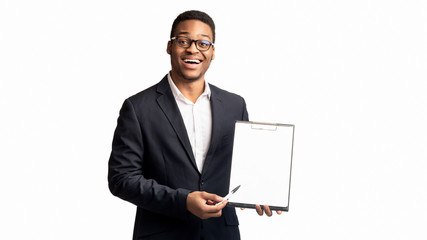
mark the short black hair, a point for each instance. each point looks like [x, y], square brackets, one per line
[194, 15]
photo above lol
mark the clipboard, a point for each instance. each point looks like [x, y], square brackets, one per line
[262, 164]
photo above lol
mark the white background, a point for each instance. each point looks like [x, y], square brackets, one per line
[349, 74]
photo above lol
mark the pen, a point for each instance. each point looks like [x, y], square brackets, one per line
[228, 195]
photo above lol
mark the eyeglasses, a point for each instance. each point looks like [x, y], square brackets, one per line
[185, 42]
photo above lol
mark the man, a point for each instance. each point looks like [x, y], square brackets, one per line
[172, 147]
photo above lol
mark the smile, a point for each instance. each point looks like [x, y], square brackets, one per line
[192, 61]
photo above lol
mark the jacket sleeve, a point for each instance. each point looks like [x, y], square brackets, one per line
[125, 170]
[245, 116]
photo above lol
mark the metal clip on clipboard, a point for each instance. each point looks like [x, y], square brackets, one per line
[264, 126]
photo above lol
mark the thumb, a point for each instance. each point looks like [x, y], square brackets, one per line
[212, 197]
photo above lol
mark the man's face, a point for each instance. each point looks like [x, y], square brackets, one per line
[184, 66]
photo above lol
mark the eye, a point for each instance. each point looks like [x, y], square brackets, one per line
[183, 41]
[203, 43]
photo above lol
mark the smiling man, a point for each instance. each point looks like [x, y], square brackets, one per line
[191, 61]
[172, 147]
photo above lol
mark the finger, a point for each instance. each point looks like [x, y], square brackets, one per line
[214, 209]
[242, 208]
[259, 210]
[222, 204]
[279, 212]
[206, 214]
[212, 197]
[268, 211]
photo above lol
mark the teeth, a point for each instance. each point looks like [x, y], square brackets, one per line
[191, 61]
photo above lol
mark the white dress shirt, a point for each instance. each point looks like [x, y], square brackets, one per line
[197, 119]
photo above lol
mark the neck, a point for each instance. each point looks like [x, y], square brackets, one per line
[191, 89]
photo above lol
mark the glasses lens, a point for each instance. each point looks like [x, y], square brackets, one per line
[203, 44]
[183, 42]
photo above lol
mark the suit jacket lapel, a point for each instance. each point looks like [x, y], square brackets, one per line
[217, 111]
[169, 107]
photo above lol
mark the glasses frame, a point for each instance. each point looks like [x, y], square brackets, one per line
[191, 43]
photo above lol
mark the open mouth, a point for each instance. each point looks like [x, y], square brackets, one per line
[192, 61]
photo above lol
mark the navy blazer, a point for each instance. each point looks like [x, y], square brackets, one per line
[152, 164]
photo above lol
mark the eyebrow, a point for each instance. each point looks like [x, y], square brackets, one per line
[187, 33]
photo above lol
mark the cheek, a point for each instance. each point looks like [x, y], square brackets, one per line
[212, 57]
[174, 57]
[207, 63]
[209, 57]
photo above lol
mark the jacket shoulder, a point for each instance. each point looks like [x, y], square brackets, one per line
[150, 93]
[224, 94]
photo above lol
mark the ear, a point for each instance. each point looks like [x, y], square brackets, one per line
[213, 53]
[169, 47]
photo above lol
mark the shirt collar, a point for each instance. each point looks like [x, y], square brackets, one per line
[178, 95]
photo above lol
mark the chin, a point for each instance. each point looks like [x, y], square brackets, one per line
[192, 78]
